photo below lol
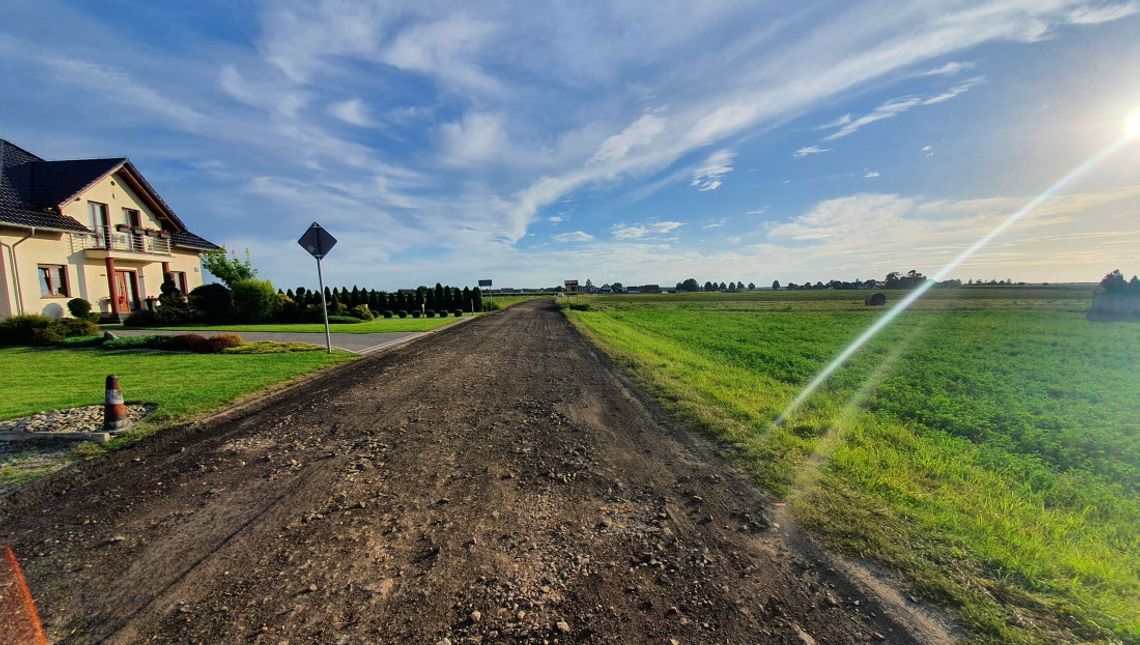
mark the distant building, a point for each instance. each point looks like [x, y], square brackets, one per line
[87, 228]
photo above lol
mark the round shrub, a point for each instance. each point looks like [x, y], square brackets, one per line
[442, 313]
[79, 307]
[46, 336]
[458, 313]
[18, 330]
[71, 327]
[387, 313]
[362, 312]
[213, 300]
[402, 313]
[416, 313]
[219, 342]
[430, 313]
[253, 300]
[186, 343]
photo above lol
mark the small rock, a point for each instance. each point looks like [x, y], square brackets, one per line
[312, 587]
[563, 626]
[476, 616]
[109, 336]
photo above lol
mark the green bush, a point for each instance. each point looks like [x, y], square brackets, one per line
[430, 313]
[491, 306]
[135, 342]
[344, 320]
[272, 347]
[141, 318]
[416, 313]
[36, 329]
[79, 307]
[81, 341]
[402, 313]
[458, 313]
[214, 301]
[387, 313]
[362, 312]
[253, 300]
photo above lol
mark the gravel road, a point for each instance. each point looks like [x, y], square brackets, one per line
[500, 480]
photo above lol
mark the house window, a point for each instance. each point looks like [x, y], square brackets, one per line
[97, 215]
[53, 280]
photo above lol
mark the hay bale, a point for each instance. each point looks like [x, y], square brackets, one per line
[875, 300]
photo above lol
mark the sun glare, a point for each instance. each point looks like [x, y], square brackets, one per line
[1132, 125]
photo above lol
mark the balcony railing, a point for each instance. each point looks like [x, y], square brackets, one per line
[105, 238]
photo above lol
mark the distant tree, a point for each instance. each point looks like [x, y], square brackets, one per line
[723, 287]
[690, 284]
[776, 285]
[227, 267]
[820, 285]
[709, 286]
[1114, 282]
[751, 286]
[588, 283]
[617, 287]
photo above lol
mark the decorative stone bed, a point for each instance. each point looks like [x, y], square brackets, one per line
[72, 423]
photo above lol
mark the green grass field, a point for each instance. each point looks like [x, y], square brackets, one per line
[378, 326]
[510, 301]
[180, 384]
[985, 444]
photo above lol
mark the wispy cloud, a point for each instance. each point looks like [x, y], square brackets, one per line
[847, 124]
[352, 111]
[715, 223]
[1107, 13]
[807, 151]
[641, 231]
[708, 176]
[953, 68]
[575, 236]
[870, 174]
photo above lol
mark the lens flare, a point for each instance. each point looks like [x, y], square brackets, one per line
[886, 319]
[1132, 126]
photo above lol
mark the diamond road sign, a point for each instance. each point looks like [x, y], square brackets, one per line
[317, 241]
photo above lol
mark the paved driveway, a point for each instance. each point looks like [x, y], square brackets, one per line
[356, 343]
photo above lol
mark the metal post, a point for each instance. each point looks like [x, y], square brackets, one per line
[324, 306]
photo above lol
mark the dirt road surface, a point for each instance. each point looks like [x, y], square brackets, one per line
[499, 481]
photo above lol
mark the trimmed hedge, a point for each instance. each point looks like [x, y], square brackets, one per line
[458, 313]
[388, 313]
[272, 347]
[344, 320]
[38, 330]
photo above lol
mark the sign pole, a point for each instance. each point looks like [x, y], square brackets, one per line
[324, 306]
[318, 243]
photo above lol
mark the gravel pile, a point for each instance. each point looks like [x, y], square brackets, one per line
[85, 419]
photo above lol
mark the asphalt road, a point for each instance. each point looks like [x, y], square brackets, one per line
[496, 481]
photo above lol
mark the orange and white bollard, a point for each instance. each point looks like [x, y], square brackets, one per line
[114, 410]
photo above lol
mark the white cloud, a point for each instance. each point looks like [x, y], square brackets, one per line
[641, 231]
[763, 210]
[953, 68]
[478, 138]
[352, 112]
[928, 151]
[575, 236]
[870, 174]
[1097, 15]
[806, 151]
[716, 223]
[708, 176]
[555, 219]
[847, 124]
[639, 133]
[961, 88]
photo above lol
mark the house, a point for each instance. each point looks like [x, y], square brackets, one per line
[87, 228]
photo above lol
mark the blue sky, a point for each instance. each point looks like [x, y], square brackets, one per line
[632, 141]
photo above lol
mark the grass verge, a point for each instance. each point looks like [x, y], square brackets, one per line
[378, 326]
[182, 385]
[985, 448]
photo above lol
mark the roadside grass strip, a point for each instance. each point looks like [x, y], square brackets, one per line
[993, 461]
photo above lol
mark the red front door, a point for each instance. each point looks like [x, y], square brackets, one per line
[126, 286]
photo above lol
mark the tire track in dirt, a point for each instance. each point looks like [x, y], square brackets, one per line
[495, 481]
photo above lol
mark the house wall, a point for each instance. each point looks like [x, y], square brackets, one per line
[86, 277]
[117, 195]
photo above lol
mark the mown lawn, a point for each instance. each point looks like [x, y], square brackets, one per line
[378, 326]
[35, 380]
[985, 444]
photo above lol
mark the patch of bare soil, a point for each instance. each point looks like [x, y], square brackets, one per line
[495, 481]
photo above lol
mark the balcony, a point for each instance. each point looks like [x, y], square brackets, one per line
[110, 242]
